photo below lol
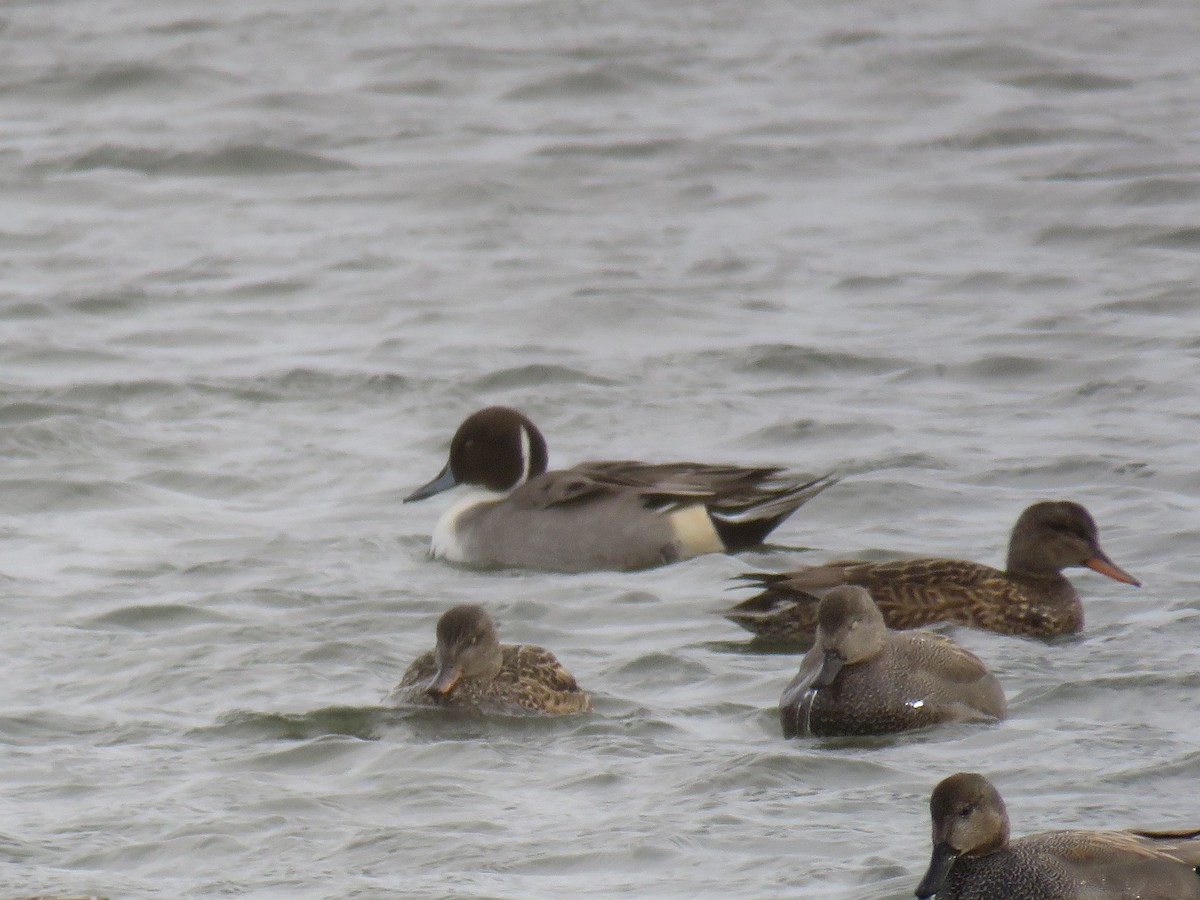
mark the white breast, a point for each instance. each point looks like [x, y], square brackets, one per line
[447, 541]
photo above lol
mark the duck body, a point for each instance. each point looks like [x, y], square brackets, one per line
[915, 592]
[530, 680]
[973, 858]
[1076, 865]
[469, 669]
[1030, 597]
[616, 514]
[860, 678]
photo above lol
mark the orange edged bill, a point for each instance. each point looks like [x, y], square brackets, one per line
[1105, 566]
[445, 680]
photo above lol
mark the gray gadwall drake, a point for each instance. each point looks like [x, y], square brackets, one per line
[860, 678]
[470, 669]
[597, 515]
[973, 858]
[1030, 597]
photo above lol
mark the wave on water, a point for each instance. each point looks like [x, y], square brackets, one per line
[41, 495]
[236, 159]
[628, 150]
[790, 359]
[96, 81]
[536, 374]
[600, 81]
[158, 617]
[363, 722]
[371, 723]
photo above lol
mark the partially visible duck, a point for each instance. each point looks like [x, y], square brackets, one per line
[861, 678]
[597, 515]
[470, 669]
[973, 858]
[1030, 597]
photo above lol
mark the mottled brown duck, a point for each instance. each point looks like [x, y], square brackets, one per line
[973, 858]
[861, 678]
[1030, 597]
[470, 669]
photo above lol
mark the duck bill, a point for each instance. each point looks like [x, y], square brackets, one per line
[445, 680]
[830, 666]
[444, 481]
[1105, 566]
[939, 871]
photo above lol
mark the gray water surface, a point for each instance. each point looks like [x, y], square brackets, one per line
[259, 258]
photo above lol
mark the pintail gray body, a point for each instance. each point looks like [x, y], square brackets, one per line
[618, 514]
[973, 858]
[860, 678]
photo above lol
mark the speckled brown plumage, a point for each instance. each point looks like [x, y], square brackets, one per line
[1030, 597]
[520, 679]
[860, 678]
[973, 858]
[911, 593]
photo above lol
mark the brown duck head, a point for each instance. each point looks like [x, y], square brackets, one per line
[969, 819]
[1057, 534]
[467, 649]
[850, 629]
[497, 448]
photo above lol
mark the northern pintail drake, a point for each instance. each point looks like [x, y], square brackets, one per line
[973, 858]
[597, 515]
[1030, 597]
[470, 669]
[860, 678]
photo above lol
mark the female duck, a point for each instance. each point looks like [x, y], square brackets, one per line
[1030, 597]
[470, 669]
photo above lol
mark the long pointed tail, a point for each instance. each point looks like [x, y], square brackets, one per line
[745, 526]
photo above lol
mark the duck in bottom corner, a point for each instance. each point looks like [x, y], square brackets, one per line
[860, 678]
[973, 858]
[469, 669]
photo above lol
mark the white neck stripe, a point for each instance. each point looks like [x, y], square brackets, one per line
[526, 461]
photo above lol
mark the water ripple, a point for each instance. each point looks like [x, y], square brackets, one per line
[237, 159]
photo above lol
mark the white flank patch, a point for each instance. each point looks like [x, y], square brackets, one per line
[694, 531]
[446, 543]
